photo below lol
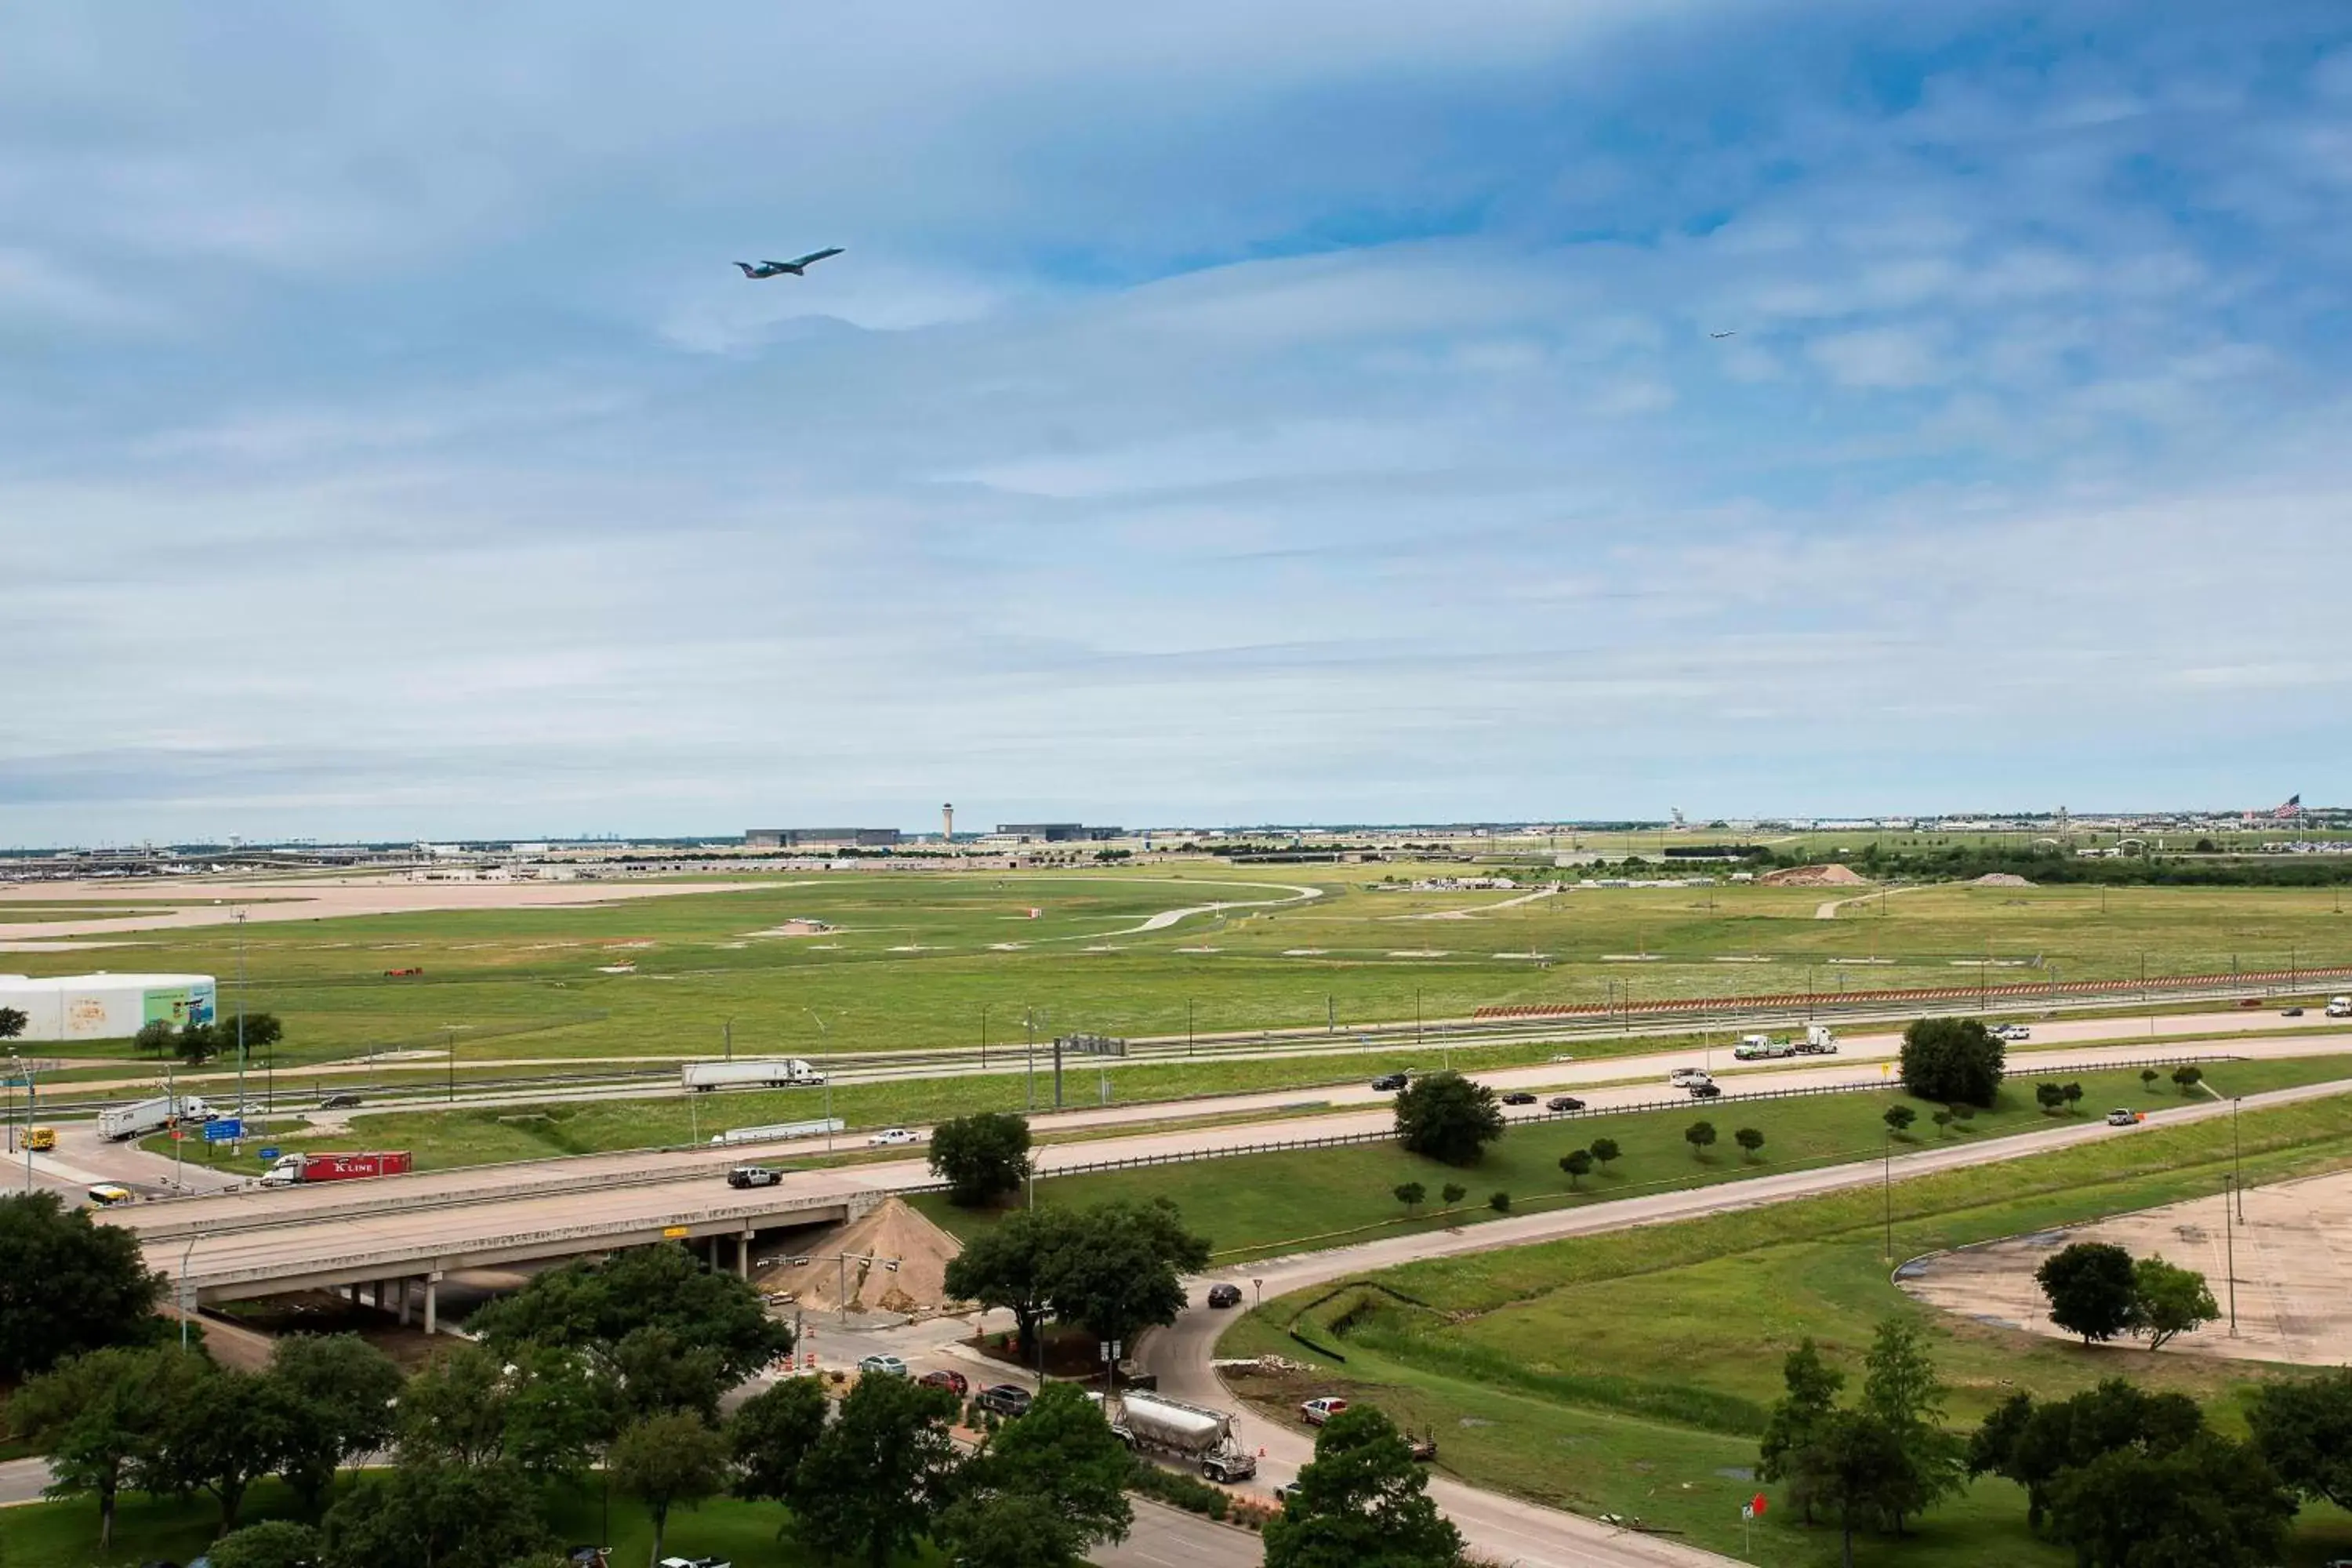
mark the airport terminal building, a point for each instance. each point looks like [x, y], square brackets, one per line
[820, 837]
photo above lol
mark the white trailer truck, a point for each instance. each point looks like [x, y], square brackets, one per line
[766, 1072]
[122, 1121]
[1820, 1040]
[1158, 1425]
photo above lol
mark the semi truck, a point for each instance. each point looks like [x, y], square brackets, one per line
[1158, 1425]
[767, 1072]
[304, 1170]
[137, 1121]
[2339, 1007]
[1820, 1040]
[1761, 1047]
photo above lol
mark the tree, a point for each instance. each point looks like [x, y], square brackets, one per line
[262, 1030]
[2168, 1299]
[2210, 1504]
[594, 1305]
[1700, 1136]
[12, 1022]
[1014, 1263]
[197, 1044]
[771, 1433]
[1007, 1530]
[1963, 1113]
[435, 1515]
[1578, 1164]
[880, 1472]
[2090, 1287]
[1853, 1466]
[665, 1460]
[1900, 1391]
[340, 1392]
[2303, 1427]
[1124, 1270]
[68, 1286]
[1063, 1454]
[1898, 1118]
[2188, 1076]
[1361, 1499]
[2049, 1096]
[1750, 1139]
[273, 1544]
[1453, 1192]
[228, 1429]
[1943, 1121]
[544, 1412]
[656, 1372]
[2147, 1077]
[2073, 1097]
[1605, 1150]
[155, 1037]
[1410, 1195]
[100, 1417]
[1448, 1117]
[2034, 1444]
[1500, 1202]
[1952, 1060]
[984, 1158]
[1797, 1419]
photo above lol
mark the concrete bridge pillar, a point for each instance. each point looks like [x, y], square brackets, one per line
[743, 1255]
[433, 1303]
[404, 1302]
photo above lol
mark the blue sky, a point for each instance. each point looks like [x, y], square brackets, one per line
[1230, 412]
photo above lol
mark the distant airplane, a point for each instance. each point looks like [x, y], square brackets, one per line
[1733, 334]
[797, 268]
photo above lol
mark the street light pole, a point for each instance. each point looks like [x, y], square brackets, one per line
[2229, 1241]
[187, 1301]
[825, 1071]
[240, 1012]
[1886, 1186]
[2237, 1171]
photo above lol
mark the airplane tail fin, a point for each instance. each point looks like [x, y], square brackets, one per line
[746, 267]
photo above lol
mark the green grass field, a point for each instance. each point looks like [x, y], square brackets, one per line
[1629, 1373]
[914, 959]
[1262, 1205]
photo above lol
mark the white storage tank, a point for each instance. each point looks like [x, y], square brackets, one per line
[105, 1006]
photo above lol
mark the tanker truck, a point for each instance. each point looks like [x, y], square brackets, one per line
[1158, 1425]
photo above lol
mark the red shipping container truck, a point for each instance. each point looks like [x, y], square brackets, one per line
[301, 1170]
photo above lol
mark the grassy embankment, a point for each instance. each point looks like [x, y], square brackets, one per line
[1630, 1373]
[914, 959]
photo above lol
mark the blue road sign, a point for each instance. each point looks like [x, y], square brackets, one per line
[270, 1153]
[225, 1130]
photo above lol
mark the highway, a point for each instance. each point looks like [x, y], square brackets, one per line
[253, 1241]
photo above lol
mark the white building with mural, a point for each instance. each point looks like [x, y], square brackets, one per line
[105, 1006]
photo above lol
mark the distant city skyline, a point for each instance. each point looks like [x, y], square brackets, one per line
[1370, 411]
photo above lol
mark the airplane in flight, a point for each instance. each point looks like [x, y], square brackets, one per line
[797, 268]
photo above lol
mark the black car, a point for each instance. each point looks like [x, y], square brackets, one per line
[1706, 1091]
[1225, 1295]
[753, 1176]
[1563, 1103]
[2290, 1012]
[1007, 1399]
[1389, 1082]
[340, 1102]
[1518, 1097]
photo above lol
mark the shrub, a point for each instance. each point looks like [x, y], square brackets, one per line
[1499, 1202]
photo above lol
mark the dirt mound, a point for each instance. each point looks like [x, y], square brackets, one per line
[1815, 877]
[2003, 879]
[889, 1231]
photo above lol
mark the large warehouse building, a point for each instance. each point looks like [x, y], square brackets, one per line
[105, 1006]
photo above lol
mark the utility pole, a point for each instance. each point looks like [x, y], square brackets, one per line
[983, 1037]
[2237, 1171]
[188, 1302]
[26, 1074]
[728, 1032]
[452, 1054]
[1188, 1026]
[825, 1071]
